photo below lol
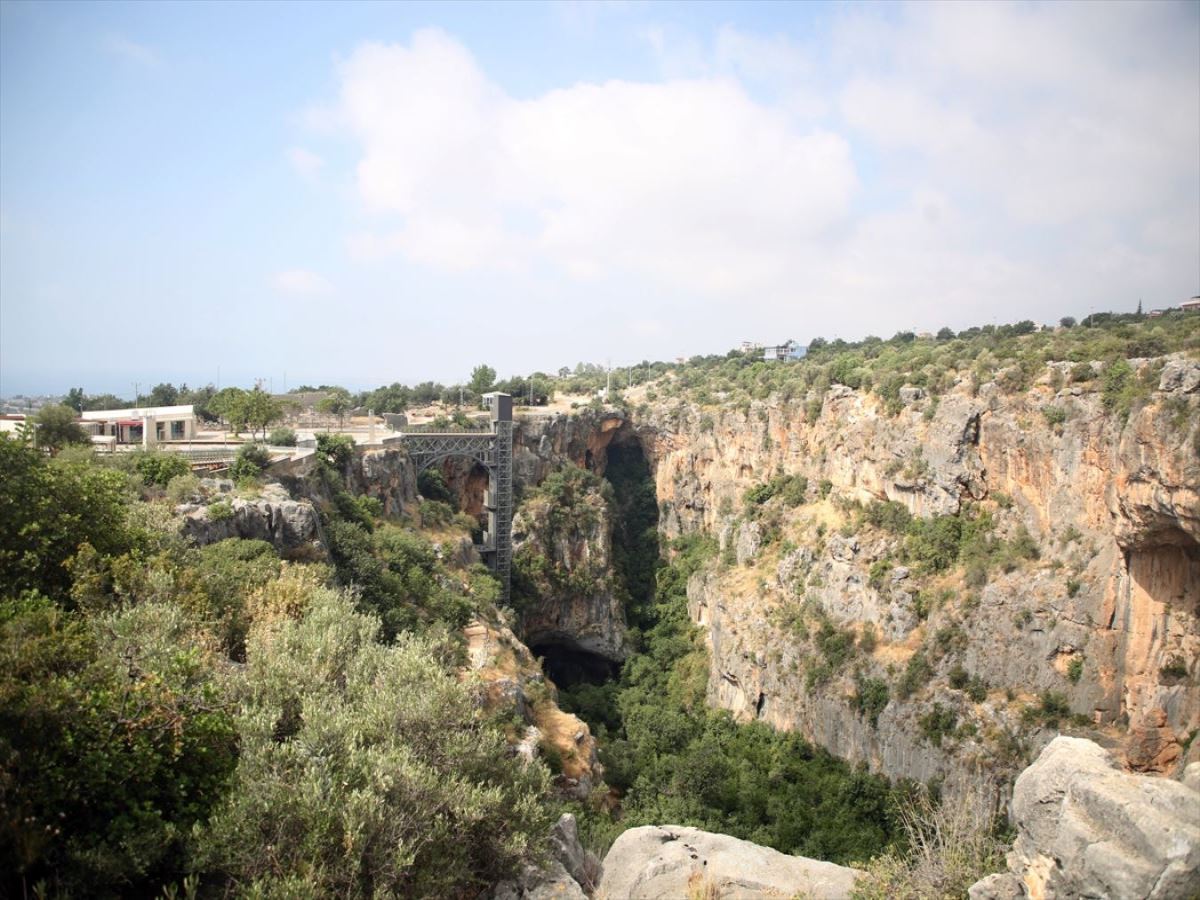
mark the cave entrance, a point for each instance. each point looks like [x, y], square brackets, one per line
[569, 665]
[636, 552]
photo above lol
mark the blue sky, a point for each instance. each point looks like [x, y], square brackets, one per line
[377, 192]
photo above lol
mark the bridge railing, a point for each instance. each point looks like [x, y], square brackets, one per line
[434, 428]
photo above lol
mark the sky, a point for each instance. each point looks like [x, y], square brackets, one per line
[367, 193]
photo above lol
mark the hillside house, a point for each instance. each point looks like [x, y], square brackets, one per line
[787, 350]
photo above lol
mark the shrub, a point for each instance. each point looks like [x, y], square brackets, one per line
[114, 744]
[1054, 415]
[432, 486]
[917, 673]
[412, 793]
[183, 488]
[1075, 669]
[48, 511]
[160, 468]
[335, 450]
[282, 437]
[938, 723]
[870, 698]
[250, 461]
[950, 846]
[220, 511]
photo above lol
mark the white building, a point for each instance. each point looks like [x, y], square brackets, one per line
[147, 425]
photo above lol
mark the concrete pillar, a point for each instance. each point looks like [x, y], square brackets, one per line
[149, 432]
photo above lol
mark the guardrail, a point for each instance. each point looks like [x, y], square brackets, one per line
[433, 428]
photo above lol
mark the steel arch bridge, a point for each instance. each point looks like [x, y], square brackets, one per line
[492, 450]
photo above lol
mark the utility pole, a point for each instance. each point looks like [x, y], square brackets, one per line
[137, 393]
[608, 383]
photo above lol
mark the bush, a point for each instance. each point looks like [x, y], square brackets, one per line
[917, 673]
[335, 450]
[114, 745]
[183, 488]
[282, 437]
[938, 723]
[220, 511]
[250, 461]
[1075, 669]
[412, 793]
[48, 511]
[950, 847]
[870, 698]
[160, 468]
[1054, 415]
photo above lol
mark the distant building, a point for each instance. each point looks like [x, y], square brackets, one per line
[146, 425]
[751, 346]
[787, 350]
[1192, 305]
[11, 423]
[1155, 313]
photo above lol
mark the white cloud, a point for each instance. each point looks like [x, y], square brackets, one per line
[131, 51]
[688, 182]
[306, 164]
[301, 281]
[941, 163]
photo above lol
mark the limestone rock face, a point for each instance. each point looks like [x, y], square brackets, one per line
[668, 862]
[291, 526]
[576, 605]
[1087, 829]
[564, 877]
[511, 682]
[1107, 615]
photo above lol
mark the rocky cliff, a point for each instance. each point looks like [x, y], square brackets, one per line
[1071, 597]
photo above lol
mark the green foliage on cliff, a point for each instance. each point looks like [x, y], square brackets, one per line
[675, 760]
[219, 715]
[1012, 356]
[365, 770]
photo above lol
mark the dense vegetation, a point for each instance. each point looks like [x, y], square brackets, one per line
[222, 722]
[1010, 355]
[675, 760]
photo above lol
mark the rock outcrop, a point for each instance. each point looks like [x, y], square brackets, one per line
[291, 526]
[569, 874]
[513, 683]
[1103, 609]
[668, 862]
[1087, 829]
[570, 547]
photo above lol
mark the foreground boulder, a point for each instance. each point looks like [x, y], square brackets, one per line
[667, 862]
[1088, 829]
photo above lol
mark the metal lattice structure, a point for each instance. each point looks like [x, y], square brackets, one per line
[492, 450]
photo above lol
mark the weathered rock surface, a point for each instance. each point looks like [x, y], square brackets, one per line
[1107, 616]
[669, 862]
[1087, 829]
[577, 606]
[564, 877]
[290, 525]
[513, 683]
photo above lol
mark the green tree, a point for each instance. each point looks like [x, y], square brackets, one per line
[482, 378]
[48, 511]
[336, 403]
[164, 394]
[113, 744]
[229, 404]
[105, 401]
[75, 399]
[260, 411]
[57, 428]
